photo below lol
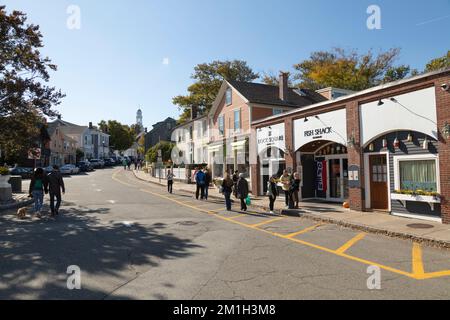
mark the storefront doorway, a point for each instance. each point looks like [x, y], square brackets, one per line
[325, 171]
[379, 189]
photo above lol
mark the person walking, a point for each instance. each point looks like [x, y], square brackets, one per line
[200, 180]
[295, 189]
[286, 181]
[272, 191]
[242, 191]
[129, 164]
[124, 163]
[38, 185]
[227, 189]
[55, 186]
[208, 180]
[170, 177]
[235, 181]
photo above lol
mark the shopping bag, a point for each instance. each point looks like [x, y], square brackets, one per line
[248, 201]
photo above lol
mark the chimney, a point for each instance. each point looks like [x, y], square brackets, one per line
[145, 130]
[59, 117]
[90, 125]
[284, 85]
[194, 113]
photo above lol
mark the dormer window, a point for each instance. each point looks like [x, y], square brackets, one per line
[228, 97]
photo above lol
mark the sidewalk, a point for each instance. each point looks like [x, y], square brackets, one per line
[426, 232]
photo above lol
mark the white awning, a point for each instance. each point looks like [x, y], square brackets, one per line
[238, 145]
[214, 148]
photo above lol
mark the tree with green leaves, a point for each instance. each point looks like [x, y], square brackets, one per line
[349, 69]
[121, 137]
[438, 63]
[208, 79]
[166, 150]
[25, 98]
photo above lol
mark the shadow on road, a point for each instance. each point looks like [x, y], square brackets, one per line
[35, 255]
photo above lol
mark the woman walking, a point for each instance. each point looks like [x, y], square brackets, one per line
[296, 189]
[272, 191]
[227, 189]
[242, 191]
[37, 186]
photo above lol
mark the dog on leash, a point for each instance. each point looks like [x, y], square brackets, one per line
[22, 213]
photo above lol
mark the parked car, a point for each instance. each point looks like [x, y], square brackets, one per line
[48, 169]
[25, 173]
[97, 163]
[69, 169]
[109, 163]
[85, 166]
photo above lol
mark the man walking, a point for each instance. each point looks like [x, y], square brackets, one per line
[170, 177]
[242, 191]
[55, 186]
[200, 180]
[208, 180]
[235, 181]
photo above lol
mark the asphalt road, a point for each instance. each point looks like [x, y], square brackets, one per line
[133, 241]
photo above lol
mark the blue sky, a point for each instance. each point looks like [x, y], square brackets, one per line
[114, 63]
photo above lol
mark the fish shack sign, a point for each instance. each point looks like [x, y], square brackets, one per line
[330, 126]
[272, 136]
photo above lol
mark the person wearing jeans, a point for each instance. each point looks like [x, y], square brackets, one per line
[227, 189]
[37, 186]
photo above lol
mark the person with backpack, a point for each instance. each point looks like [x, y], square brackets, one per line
[55, 186]
[170, 177]
[38, 185]
[272, 191]
[242, 191]
[227, 190]
[200, 180]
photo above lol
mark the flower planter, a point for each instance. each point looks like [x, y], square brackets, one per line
[404, 198]
[5, 189]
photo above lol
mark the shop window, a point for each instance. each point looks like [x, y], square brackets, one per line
[418, 175]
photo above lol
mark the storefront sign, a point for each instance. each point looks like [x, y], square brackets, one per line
[269, 137]
[321, 177]
[331, 126]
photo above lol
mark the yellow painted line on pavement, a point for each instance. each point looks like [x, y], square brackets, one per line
[351, 243]
[267, 222]
[293, 235]
[238, 216]
[417, 262]
[417, 252]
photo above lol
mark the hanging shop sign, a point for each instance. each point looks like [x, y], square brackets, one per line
[331, 126]
[269, 137]
[321, 176]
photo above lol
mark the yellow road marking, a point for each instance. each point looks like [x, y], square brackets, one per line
[238, 216]
[417, 263]
[293, 235]
[417, 252]
[267, 222]
[351, 243]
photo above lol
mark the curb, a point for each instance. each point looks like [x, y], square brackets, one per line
[360, 227]
[16, 205]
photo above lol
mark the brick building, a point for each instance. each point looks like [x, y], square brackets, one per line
[385, 148]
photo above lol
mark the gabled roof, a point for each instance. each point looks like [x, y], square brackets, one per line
[267, 94]
[67, 127]
[260, 93]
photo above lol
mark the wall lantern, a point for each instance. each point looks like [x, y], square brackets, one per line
[352, 141]
[380, 103]
[410, 137]
[306, 119]
[446, 131]
[396, 143]
[426, 144]
[385, 143]
[371, 147]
